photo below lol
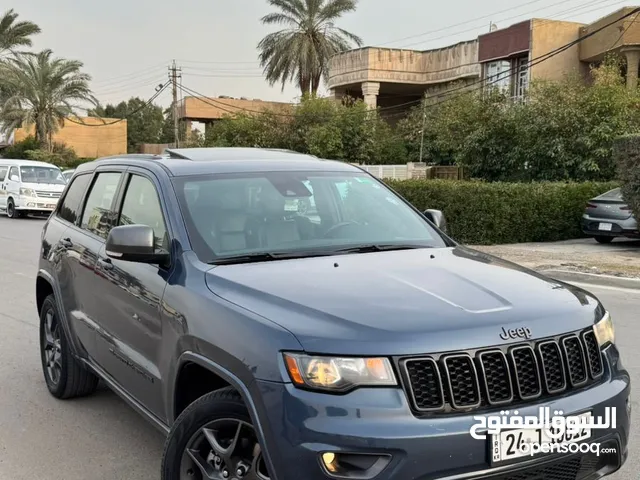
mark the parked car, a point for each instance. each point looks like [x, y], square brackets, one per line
[358, 342]
[29, 187]
[608, 216]
[67, 174]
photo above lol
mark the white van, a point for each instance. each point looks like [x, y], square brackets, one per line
[29, 187]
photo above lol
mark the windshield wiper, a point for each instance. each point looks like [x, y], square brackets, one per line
[267, 257]
[381, 248]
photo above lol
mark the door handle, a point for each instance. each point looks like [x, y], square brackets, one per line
[66, 243]
[105, 263]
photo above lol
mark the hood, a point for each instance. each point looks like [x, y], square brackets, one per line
[403, 302]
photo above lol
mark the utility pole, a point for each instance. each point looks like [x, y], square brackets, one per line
[424, 123]
[174, 74]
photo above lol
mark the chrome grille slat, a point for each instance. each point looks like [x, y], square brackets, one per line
[503, 374]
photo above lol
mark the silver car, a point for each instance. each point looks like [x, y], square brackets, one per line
[608, 216]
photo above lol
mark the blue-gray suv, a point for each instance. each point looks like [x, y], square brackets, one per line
[284, 317]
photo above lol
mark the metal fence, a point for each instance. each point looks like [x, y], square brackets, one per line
[413, 171]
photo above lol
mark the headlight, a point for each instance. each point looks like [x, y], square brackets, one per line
[338, 374]
[27, 192]
[604, 330]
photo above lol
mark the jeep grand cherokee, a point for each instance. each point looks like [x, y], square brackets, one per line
[353, 339]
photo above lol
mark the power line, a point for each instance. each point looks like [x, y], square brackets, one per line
[129, 115]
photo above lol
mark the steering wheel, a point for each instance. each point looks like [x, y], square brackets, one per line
[338, 226]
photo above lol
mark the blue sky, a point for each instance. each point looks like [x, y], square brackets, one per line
[127, 45]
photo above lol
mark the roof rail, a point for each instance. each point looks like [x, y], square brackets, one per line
[139, 156]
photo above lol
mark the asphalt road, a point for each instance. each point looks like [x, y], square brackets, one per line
[100, 437]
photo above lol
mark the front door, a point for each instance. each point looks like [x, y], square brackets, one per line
[12, 184]
[129, 348]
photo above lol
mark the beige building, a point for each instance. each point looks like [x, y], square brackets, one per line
[88, 141]
[504, 58]
[209, 109]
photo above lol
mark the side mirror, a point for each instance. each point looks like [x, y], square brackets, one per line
[134, 243]
[14, 178]
[437, 218]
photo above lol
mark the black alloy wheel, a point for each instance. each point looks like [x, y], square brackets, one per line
[52, 347]
[225, 449]
[214, 439]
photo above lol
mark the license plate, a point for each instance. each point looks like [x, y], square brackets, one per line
[506, 445]
[605, 226]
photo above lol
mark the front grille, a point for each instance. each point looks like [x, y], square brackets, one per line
[42, 194]
[462, 381]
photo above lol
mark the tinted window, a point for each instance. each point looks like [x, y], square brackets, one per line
[3, 173]
[97, 214]
[289, 212]
[13, 171]
[72, 203]
[141, 206]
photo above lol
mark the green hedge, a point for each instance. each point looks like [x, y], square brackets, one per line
[480, 213]
[626, 152]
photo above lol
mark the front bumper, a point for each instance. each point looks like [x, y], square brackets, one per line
[299, 425]
[619, 228]
[35, 204]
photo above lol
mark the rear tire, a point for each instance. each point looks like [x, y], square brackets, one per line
[602, 239]
[65, 376]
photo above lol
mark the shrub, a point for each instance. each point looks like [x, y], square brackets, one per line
[492, 213]
[627, 155]
[19, 149]
[62, 156]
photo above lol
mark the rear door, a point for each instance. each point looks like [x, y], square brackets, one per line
[64, 255]
[4, 172]
[82, 242]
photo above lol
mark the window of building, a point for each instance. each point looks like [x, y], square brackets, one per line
[522, 77]
[96, 217]
[142, 207]
[72, 202]
[498, 75]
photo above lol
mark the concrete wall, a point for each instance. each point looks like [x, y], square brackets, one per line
[404, 66]
[611, 38]
[213, 108]
[548, 35]
[504, 43]
[88, 141]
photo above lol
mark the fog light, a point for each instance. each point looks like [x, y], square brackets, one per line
[363, 466]
[329, 460]
[31, 204]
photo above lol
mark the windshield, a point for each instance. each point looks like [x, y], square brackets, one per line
[296, 212]
[42, 175]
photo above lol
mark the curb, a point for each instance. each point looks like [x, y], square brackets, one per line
[593, 279]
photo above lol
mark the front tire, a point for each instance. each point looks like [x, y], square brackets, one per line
[11, 209]
[214, 439]
[603, 239]
[65, 376]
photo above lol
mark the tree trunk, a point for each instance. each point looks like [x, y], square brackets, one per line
[315, 84]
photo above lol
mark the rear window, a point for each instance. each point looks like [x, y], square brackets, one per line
[614, 194]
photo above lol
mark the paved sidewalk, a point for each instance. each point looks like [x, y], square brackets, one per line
[621, 258]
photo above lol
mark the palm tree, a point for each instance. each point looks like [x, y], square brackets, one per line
[41, 91]
[302, 50]
[15, 34]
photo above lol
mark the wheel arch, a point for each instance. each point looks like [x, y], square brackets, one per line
[231, 380]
